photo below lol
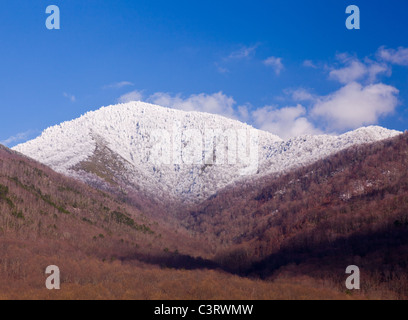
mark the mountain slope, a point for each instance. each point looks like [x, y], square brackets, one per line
[106, 249]
[38, 204]
[172, 154]
[348, 209]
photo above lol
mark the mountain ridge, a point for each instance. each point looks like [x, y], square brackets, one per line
[148, 149]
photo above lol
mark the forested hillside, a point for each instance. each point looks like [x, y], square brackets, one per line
[351, 208]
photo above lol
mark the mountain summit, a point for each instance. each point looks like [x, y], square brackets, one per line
[173, 154]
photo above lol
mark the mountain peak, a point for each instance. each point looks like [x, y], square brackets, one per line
[178, 154]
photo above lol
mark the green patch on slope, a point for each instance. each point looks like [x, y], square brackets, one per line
[104, 163]
[124, 219]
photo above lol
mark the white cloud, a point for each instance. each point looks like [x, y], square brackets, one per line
[285, 122]
[217, 103]
[243, 52]
[398, 57]
[343, 57]
[118, 85]
[275, 63]
[374, 69]
[351, 107]
[131, 96]
[309, 64]
[355, 105]
[301, 95]
[17, 138]
[221, 69]
[69, 96]
[243, 112]
[356, 70]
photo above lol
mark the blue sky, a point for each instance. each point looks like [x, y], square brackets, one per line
[290, 67]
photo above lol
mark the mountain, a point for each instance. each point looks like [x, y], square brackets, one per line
[287, 237]
[141, 149]
[107, 249]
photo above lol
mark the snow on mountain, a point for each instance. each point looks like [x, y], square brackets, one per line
[172, 153]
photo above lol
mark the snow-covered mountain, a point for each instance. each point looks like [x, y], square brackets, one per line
[168, 153]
